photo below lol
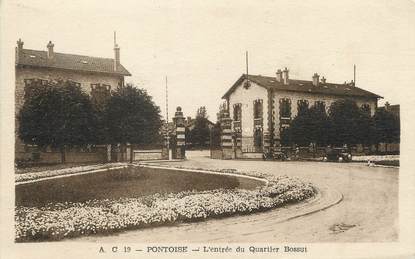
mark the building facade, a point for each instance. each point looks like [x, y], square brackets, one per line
[96, 75]
[261, 106]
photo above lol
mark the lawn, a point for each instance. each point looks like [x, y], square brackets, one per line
[131, 182]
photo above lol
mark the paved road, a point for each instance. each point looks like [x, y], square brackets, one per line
[368, 211]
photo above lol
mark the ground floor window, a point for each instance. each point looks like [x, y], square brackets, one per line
[258, 138]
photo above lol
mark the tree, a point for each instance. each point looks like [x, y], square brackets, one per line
[132, 117]
[319, 125]
[286, 137]
[100, 96]
[387, 126]
[349, 124]
[200, 134]
[299, 129]
[215, 136]
[56, 114]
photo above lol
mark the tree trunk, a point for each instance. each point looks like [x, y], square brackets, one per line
[62, 150]
[124, 152]
[131, 153]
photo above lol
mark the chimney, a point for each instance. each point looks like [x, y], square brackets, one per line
[19, 49]
[285, 76]
[50, 50]
[279, 75]
[323, 80]
[116, 53]
[316, 79]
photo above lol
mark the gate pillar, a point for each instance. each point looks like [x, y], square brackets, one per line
[179, 150]
[226, 138]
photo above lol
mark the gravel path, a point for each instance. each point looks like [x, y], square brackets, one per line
[367, 213]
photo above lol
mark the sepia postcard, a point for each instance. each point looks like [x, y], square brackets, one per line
[171, 129]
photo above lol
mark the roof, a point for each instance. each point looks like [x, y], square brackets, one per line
[38, 58]
[304, 86]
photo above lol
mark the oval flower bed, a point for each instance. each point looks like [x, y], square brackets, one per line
[61, 220]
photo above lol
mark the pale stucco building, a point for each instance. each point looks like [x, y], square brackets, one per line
[262, 106]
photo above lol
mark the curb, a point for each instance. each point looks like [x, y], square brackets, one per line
[339, 199]
[338, 196]
[383, 166]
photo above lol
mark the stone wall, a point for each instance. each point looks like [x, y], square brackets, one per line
[143, 155]
[389, 148]
[216, 153]
[249, 155]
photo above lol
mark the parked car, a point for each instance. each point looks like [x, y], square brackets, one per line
[338, 155]
[274, 155]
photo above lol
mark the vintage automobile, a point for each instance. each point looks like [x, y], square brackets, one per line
[274, 155]
[338, 155]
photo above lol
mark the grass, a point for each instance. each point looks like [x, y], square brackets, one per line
[123, 183]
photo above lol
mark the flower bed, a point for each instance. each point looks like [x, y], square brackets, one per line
[62, 220]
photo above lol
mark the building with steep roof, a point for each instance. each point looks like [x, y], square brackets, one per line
[96, 75]
[393, 108]
[261, 107]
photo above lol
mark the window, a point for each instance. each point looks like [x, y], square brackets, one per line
[302, 106]
[258, 138]
[31, 85]
[258, 109]
[320, 105]
[365, 108]
[237, 112]
[100, 94]
[285, 108]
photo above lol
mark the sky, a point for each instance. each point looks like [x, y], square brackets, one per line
[200, 45]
